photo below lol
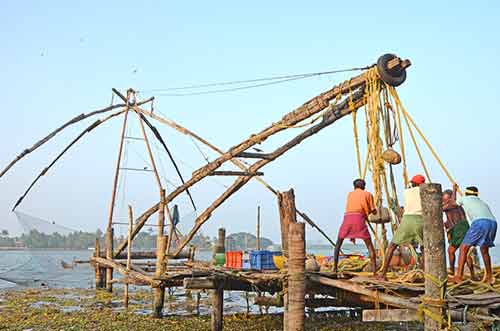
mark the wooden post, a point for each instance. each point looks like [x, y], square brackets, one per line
[286, 201]
[129, 251]
[98, 275]
[296, 277]
[161, 245]
[258, 228]
[109, 256]
[434, 253]
[217, 308]
[220, 245]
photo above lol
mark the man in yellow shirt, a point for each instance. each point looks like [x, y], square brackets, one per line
[359, 205]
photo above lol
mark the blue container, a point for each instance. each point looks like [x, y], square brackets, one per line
[262, 260]
[246, 262]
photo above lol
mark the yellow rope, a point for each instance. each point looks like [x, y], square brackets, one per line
[426, 141]
[356, 139]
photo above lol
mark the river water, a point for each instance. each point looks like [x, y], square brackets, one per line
[40, 268]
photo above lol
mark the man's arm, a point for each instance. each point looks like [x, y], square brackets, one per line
[454, 198]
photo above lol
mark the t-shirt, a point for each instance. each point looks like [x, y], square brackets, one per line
[413, 205]
[475, 208]
[360, 201]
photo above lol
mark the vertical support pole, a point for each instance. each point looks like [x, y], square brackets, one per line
[288, 214]
[217, 307]
[296, 276]
[220, 245]
[129, 251]
[434, 253]
[109, 234]
[258, 228]
[109, 255]
[98, 276]
[161, 245]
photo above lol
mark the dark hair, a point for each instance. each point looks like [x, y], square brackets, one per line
[472, 189]
[448, 192]
[359, 183]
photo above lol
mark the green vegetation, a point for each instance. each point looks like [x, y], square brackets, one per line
[243, 241]
[79, 310]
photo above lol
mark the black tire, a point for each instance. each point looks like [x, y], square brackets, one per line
[393, 77]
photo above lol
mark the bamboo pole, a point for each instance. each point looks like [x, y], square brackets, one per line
[74, 141]
[296, 277]
[129, 250]
[159, 295]
[109, 236]
[258, 228]
[434, 256]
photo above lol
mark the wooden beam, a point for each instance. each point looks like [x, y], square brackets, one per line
[235, 173]
[296, 276]
[390, 315]
[249, 155]
[123, 270]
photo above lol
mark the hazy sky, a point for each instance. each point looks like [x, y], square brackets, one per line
[61, 58]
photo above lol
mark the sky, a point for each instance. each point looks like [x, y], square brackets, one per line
[60, 59]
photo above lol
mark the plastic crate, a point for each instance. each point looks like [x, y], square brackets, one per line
[234, 259]
[246, 262]
[262, 260]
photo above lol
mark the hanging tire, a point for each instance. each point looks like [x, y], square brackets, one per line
[395, 76]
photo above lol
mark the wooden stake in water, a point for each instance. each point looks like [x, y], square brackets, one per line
[129, 251]
[296, 276]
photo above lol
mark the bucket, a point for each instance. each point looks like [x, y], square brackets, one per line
[220, 259]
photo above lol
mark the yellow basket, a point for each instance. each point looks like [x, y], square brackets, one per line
[279, 261]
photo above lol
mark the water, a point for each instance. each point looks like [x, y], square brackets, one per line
[39, 268]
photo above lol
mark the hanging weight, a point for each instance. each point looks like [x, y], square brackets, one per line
[393, 76]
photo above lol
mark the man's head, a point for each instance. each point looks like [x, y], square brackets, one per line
[359, 183]
[447, 194]
[472, 190]
[417, 180]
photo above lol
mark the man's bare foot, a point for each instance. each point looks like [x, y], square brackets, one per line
[457, 279]
[380, 277]
[488, 279]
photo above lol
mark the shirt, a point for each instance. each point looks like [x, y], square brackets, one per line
[454, 214]
[413, 205]
[360, 201]
[475, 208]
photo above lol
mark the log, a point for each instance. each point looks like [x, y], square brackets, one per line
[99, 281]
[390, 315]
[277, 301]
[249, 155]
[109, 255]
[286, 206]
[129, 250]
[161, 246]
[123, 270]
[434, 254]
[296, 276]
[235, 173]
[211, 283]
[217, 308]
[387, 299]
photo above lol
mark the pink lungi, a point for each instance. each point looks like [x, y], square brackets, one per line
[354, 227]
